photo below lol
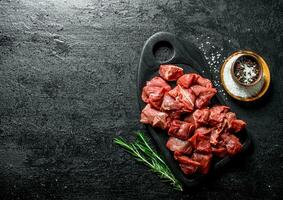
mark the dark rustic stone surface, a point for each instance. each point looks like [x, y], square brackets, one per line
[67, 88]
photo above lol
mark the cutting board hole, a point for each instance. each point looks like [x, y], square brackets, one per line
[163, 51]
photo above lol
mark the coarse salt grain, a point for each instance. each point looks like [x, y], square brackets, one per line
[213, 56]
[248, 73]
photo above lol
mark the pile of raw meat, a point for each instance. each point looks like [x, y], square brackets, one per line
[196, 132]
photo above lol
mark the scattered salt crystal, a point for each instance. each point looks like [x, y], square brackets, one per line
[213, 57]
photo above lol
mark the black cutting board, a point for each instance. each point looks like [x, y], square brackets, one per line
[185, 55]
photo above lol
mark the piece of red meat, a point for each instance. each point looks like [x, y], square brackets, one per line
[215, 133]
[170, 72]
[183, 159]
[175, 144]
[219, 151]
[203, 146]
[230, 116]
[185, 96]
[187, 165]
[154, 117]
[204, 82]
[187, 80]
[174, 114]
[200, 116]
[223, 137]
[217, 114]
[174, 92]
[194, 140]
[238, 125]
[188, 169]
[204, 160]
[153, 96]
[200, 140]
[181, 129]
[158, 82]
[219, 109]
[189, 118]
[204, 99]
[154, 91]
[198, 89]
[204, 94]
[203, 131]
[232, 144]
[233, 123]
[214, 136]
[169, 103]
[191, 79]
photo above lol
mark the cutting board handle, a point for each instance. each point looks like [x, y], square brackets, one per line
[183, 51]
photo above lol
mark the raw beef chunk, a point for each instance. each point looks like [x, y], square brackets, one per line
[170, 72]
[154, 117]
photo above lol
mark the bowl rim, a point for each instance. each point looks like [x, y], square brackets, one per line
[260, 70]
[266, 76]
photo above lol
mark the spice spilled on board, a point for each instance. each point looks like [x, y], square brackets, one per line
[213, 55]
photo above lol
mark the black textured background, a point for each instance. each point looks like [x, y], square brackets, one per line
[67, 87]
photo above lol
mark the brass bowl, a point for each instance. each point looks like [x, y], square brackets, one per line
[265, 75]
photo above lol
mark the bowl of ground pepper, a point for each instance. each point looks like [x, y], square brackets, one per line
[246, 70]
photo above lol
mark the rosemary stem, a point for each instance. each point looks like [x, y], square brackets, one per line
[141, 150]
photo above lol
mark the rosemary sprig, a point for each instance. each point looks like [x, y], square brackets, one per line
[142, 152]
